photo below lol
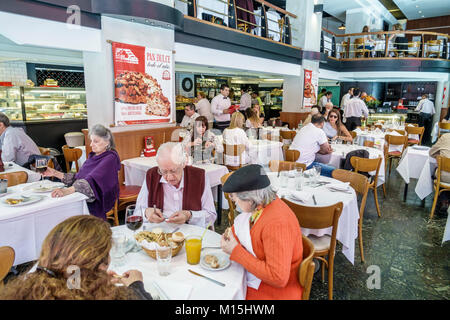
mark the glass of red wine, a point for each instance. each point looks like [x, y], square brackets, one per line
[41, 166]
[134, 220]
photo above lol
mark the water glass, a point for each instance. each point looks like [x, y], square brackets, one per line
[3, 185]
[163, 258]
[283, 179]
[117, 252]
[299, 181]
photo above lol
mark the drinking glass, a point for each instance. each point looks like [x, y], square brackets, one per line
[283, 179]
[163, 258]
[315, 175]
[41, 166]
[117, 252]
[299, 180]
[133, 218]
[193, 247]
[3, 185]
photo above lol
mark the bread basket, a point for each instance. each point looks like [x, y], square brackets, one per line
[175, 250]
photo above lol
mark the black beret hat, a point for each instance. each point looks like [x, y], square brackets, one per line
[250, 177]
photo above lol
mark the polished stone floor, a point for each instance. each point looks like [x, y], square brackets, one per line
[402, 243]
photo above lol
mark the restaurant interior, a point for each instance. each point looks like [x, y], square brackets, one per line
[364, 208]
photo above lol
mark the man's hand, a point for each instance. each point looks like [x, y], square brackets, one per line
[154, 215]
[180, 217]
[228, 111]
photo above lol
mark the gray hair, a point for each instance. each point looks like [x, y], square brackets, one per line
[258, 197]
[174, 150]
[4, 119]
[104, 133]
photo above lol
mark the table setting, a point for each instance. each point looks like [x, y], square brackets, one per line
[311, 189]
[11, 167]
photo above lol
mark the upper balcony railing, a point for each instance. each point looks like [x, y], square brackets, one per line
[268, 21]
[385, 44]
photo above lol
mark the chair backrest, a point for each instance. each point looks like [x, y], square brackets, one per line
[367, 165]
[44, 151]
[306, 269]
[368, 143]
[443, 165]
[357, 181]
[7, 256]
[71, 155]
[443, 126]
[232, 209]
[395, 141]
[277, 165]
[359, 42]
[292, 155]
[402, 132]
[355, 153]
[289, 135]
[15, 178]
[416, 130]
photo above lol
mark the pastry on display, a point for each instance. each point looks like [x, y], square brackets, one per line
[140, 88]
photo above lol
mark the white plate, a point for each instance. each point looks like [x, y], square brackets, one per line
[224, 260]
[5, 194]
[33, 199]
[43, 187]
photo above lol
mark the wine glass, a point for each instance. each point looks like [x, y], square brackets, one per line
[41, 166]
[316, 172]
[134, 220]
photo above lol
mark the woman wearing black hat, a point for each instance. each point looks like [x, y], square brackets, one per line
[265, 239]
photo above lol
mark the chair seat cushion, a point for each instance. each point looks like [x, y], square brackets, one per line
[320, 243]
[413, 141]
[129, 191]
[395, 153]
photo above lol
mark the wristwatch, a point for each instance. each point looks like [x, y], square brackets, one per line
[187, 221]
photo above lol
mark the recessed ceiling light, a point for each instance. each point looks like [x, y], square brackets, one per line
[420, 11]
[417, 6]
[423, 16]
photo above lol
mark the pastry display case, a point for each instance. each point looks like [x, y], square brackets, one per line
[10, 103]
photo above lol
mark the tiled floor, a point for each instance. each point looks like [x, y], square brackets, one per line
[407, 249]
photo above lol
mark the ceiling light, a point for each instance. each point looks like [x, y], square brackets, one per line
[420, 11]
[341, 27]
[423, 16]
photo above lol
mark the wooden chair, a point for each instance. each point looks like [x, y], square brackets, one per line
[288, 135]
[277, 165]
[414, 48]
[320, 218]
[291, 155]
[443, 126]
[361, 185]
[431, 48]
[306, 269]
[344, 50]
[44, 151]
[415, 130]
[389, 155]
[113, 215]
[402, 132]
[7, 256]
[369, 165]
[379, 126]
[354, 134]
[71, 155]
[232, 210]
[233, 150]
[439, 187]
[15, 178]
[358, 52]
[368, 143]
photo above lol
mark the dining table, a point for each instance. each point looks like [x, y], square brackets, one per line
[347, 231]
[11, 167]
[136, 169]
[25, 226]
[180, 284]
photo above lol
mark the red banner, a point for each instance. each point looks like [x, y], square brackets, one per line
[309, 90]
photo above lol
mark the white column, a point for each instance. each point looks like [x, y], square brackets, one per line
[440, 103]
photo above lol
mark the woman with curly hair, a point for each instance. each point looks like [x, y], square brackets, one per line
[83, 242]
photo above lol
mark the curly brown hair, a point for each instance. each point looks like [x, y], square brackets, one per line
[82, 241]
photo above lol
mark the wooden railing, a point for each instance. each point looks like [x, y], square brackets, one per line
[385, 44]
[274, 22]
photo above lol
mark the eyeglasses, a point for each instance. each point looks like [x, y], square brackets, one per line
[332, 116]
[167, 172]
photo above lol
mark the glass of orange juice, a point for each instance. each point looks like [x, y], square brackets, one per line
[193, 246]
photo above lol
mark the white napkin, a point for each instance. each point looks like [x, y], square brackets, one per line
[357, 130]
[409, 125]
[339, 186]
[175, 290]
[378, 131]
[393, 133]
[301, 196]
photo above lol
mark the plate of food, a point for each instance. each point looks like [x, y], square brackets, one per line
[150, 240]
[43, 186]
[17, 201]
[215, 261]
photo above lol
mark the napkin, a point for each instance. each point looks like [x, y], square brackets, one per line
[175, 290]
[394, 133]
[301, 196]
[339, 186]
[378, 131]
[357, 130]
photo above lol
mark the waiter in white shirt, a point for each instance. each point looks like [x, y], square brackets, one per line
[354, 110]
[220, 108]
[189, 116]
[346, 98]
[246, 100]
[426, 110]
[324, 100]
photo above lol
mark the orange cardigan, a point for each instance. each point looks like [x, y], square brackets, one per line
[277, 244]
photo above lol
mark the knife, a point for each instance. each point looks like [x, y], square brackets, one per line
[315, 202]
[200, 275]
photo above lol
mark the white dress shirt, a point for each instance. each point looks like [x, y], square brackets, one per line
[218, 104]
[426, 106]
[246, 101]
[204, 109]
[232, 137]
[355, 108]
[187, 121]
[344, 100]
[173, 202]
[323, 101]
[308, 141]
[17, 146]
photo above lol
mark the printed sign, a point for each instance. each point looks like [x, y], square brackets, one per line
[310, 88]
[143, 82]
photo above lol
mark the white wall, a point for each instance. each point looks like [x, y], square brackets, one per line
[99, 71]
[15, 72]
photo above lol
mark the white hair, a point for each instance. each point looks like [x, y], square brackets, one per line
[172, 150]
[258, 197]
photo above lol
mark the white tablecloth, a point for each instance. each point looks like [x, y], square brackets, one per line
[417, 164]
[347, 230]
[340, 152]
[33, 176]
[181, 284]
[24, 228]
[377, 138]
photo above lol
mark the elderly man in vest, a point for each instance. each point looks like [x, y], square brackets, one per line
[174, 192]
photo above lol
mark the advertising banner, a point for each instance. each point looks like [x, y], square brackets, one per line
[310, 88]
[143, 82]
